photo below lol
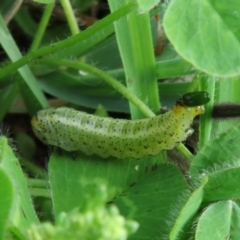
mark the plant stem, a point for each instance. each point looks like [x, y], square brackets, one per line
[39, 192]
[33, 168]
[38, 187]
[42, 26]
[185, 152]
[73, 25]
[104, 76]
[207, 83]
[36, 183]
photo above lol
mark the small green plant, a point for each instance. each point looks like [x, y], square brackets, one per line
[92, 221]
[112, 62]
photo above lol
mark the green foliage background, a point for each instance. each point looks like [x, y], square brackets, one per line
[148, 198]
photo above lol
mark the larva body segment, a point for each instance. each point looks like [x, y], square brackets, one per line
[73, 130]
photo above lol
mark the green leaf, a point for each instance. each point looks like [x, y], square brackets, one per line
[71, 179]
[147, 5]
[82, 92]
[137, 56]
[223, 185]
[44, 1]
[34, 98]
[89, 91]
[155, 201]
[219, 221]
[206, 33]
[6, 201]
[23, 214]
[220, 153]
[171, 68]
[188, 211]
[7, 98]
[24, 15]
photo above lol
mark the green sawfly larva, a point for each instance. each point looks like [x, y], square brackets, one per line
[73, 130]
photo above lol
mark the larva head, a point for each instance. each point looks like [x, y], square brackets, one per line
[194, 99]
[186, 109]
[192, 103]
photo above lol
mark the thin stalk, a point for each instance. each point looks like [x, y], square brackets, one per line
[42, 26]
[37, 171]
[185, 152]
[38, 187]
[71, 19]
[37, 183]
[194, 84]
[206, 84]
[125, 92]
[72, 22]
[39, 192]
